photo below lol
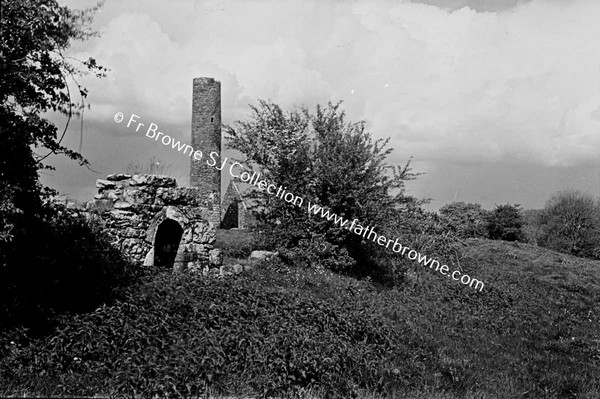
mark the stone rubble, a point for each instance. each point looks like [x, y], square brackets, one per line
[132, 208]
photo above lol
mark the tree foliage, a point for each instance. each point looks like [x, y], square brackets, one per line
[324, 159]
[49, 260]
[35, 78]
[532, 230]
[570, 222]
[505, 223]
[465, 219]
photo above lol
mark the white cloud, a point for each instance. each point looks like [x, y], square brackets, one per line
[521, 85]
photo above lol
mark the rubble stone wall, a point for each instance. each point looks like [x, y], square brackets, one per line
[133, 208]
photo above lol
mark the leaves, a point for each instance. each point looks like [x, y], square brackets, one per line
[504, 223]
[319, 157]
[465, 219]
[570, 222]
[197, 333]
[35, 77]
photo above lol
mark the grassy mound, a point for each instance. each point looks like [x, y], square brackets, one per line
[534, 332]
[182, 334]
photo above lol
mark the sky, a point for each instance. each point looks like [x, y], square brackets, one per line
[496, 101]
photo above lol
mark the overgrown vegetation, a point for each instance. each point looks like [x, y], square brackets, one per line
[279, 331]
[35, 78]
[68, 266]
[236, 243]
[465, 219]
[51, 262]
[570, 222]
[48, 262]
[77, 320]
[324, 159]
[505, 223]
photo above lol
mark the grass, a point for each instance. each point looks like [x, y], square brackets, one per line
[235, 243]
[533, 332]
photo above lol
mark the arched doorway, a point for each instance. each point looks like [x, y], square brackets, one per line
[166, 243]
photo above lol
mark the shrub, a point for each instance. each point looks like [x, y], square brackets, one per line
[465, 219]
[34, 81]
[8, 215]
[324, 159]
[319, 254]
[504, 223]
[61, 263]
[532, 226]
[421, 230]
[570, 223]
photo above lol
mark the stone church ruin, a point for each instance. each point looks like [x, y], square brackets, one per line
[156, 223]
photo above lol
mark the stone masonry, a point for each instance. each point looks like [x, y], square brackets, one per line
[206, 136]
[154, 222]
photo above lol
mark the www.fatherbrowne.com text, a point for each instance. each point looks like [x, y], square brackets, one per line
[253, 179]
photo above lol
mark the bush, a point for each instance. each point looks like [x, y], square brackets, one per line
[60, 263]
[319, 254]
[505, 223]
[419, 229]
[465, 219]
[322, 158]
[570, 222]
[532, 227]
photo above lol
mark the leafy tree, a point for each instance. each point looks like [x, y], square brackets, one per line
[323, 159]
[504, 223]
[571, 223]
[49, 260]
[34, 79]
[465, 219]
[532, 227]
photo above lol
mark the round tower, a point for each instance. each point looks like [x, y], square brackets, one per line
[206, 137]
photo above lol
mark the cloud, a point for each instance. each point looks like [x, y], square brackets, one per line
[520, 86]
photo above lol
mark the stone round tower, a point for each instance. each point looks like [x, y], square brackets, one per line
[206, 137]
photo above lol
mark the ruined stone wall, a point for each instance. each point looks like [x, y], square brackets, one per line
[133, 207]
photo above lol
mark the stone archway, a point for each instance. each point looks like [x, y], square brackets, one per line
[167, 235]
[166, 243]
[181, 237]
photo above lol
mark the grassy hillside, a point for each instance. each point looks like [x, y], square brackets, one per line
[534, 332]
